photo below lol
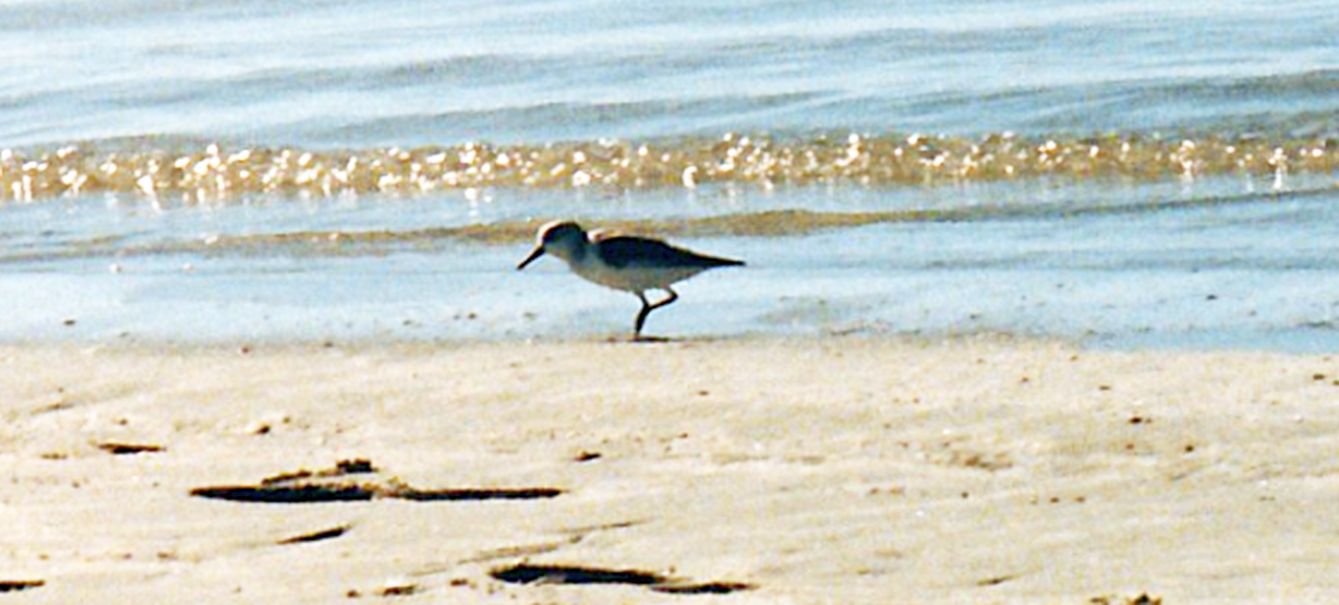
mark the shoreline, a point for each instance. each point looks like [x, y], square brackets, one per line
[1299, 342]
[837, 469]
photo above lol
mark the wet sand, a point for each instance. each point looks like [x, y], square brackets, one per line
[838, 470]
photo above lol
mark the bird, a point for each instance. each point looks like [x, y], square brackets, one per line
[623, 262]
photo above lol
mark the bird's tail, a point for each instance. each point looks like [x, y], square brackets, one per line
[716, 261]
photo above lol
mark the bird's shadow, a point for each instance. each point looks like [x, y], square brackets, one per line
[642, 340]
[637, 340]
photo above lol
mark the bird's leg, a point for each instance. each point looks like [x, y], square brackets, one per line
[641, 316]
[647, 308]
[671, 298]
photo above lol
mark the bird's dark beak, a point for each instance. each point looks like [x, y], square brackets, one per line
[538, 252]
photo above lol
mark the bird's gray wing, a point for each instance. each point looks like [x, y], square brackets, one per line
[626, 251]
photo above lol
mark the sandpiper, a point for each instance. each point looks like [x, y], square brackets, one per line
[631, 264]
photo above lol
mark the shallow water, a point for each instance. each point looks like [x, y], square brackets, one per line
[1245, 270]
[1123, 173]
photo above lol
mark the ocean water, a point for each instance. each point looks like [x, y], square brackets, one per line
[1127, 174]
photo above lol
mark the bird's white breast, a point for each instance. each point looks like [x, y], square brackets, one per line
[632, 278]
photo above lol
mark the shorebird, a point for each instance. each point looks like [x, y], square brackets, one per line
[631, 264]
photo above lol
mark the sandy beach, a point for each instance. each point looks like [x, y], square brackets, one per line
[768, 470]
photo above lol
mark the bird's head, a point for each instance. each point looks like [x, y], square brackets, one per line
[563, 239]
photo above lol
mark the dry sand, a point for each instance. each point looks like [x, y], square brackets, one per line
[839, 470]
